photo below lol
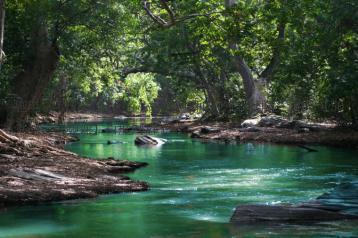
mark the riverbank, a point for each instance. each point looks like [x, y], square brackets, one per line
[313, 134]
[34, 168]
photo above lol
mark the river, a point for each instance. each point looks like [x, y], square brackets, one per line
[195, 187]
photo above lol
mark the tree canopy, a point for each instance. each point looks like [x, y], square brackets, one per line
[227, 59]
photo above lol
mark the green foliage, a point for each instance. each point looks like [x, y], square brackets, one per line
[140, 91]
[187, 67]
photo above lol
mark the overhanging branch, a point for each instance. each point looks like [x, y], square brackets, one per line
[275, 60]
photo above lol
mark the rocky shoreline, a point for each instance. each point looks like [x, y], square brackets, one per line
[34, 168]
[279, 133]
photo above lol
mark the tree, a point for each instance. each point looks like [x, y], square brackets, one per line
[45, 25]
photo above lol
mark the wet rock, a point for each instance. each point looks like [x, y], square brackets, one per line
[340, 203]
[149, 140]
[344, 196]
[195, 134]
[265, 213]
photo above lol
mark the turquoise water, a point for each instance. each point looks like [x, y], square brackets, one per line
[194, 188]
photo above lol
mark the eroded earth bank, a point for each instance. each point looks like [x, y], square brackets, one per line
[35, 168]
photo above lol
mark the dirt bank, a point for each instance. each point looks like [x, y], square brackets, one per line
[34, 168]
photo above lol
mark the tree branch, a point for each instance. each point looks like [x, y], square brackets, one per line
[173, 19]
[275, 60]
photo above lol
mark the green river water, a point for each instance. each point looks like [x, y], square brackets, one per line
[195, 187]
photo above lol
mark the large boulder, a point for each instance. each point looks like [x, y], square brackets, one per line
[250, 122]
[149, 140]
[264, 121]
[271, 121]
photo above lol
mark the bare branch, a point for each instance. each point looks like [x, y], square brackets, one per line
[169, 10]
[173, 19]
[155, 18]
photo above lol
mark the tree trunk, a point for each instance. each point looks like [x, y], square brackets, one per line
[30, 84]
[255, 99]
[2, 30]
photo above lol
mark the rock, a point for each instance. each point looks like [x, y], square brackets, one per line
[267, 213]
[270, 121]
[344, 196]
[264, 121]
[250, 122]
[340, 203]
[108, 130]
[149, 140]
[195, 134]
[208, 130]
[184, 116]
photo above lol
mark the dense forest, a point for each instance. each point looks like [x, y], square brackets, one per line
[224, 60]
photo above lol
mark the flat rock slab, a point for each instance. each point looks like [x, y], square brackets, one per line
[300, 214]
